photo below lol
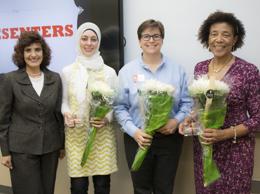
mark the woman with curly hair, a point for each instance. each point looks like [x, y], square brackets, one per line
[31, 123]
[234, 143]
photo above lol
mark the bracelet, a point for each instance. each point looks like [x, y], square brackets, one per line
[235, 134]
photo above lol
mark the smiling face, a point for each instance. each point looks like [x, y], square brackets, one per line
[151, 41]
[88, 43]
[221, 39]
[33, 56]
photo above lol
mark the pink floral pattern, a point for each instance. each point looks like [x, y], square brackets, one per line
[235, 161]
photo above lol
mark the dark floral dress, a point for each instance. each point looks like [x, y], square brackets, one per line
[235, 161]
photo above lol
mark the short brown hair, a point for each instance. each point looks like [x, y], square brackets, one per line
[151, 23]
[26, 39]
[222, 17]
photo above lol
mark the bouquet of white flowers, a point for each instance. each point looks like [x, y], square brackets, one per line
[101, 100]
[156, 101]
[210, 100]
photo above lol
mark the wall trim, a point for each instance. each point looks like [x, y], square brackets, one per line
[5, 190]
[255, 188]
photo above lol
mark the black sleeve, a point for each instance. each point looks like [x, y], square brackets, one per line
[6, 103]
[58, 111]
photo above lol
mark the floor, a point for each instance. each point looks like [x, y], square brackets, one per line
[7, 190]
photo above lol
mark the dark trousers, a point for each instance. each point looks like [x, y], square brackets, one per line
[34, 174]
[80, 185]
[157, 173]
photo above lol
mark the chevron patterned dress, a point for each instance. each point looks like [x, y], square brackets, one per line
[102, 159]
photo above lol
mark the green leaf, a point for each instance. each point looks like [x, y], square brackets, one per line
[213, 118]
[210, 169]
[159, 106]
[88, 147]
[100, 111]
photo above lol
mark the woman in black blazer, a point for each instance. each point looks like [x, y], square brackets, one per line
[31, 124]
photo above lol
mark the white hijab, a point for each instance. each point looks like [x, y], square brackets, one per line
[95, 62]
[84, 63]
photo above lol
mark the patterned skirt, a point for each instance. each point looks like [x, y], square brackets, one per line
[102, 159]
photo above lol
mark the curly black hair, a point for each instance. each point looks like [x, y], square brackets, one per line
[222, 17]
[150, 23]
[26, 39]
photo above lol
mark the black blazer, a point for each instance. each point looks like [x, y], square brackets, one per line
[30, 123]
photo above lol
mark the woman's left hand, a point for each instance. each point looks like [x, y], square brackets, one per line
[62, 154]
[97, 122]
[211, 136]
[169, 128]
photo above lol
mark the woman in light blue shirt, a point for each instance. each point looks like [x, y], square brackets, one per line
[158, 170]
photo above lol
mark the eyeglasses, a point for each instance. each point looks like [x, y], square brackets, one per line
[147, 37]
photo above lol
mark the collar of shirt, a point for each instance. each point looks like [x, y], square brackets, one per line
[145, 66]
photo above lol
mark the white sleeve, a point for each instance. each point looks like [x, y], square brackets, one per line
[65, 97]
[112, 80]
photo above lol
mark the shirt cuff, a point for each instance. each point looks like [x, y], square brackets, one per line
[64, 109]
[4, 149]
[130, 129]
[180, 117]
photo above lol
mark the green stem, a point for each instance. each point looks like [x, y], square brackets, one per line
[88, 147]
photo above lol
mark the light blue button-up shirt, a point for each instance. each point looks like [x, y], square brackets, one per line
[132, 75]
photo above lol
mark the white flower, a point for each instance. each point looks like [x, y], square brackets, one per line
[221, 86]
[157, 86]
[101, 87]
[201, 86]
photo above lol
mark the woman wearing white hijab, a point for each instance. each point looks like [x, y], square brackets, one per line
[88, 67]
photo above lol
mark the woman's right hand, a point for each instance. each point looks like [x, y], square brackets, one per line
[6, 161]
[142, 138]
[187, 122]
[69, 119]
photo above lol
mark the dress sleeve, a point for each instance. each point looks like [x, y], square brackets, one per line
[252, 86]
